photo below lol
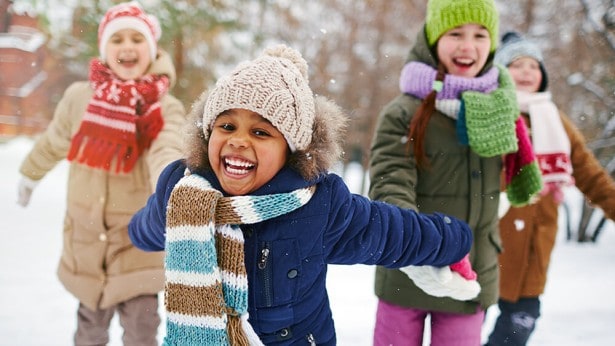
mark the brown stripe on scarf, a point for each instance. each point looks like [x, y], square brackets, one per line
[234, 254]
[226, 213]
[189, 300]
[191, 202]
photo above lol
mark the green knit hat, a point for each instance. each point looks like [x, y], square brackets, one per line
[443, 15]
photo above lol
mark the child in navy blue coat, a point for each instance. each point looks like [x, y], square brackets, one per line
[251, 217]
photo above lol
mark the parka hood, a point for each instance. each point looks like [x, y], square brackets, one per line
[324, 150]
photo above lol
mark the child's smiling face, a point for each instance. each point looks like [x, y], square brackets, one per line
[526, 73]
[245, 151]
[128, 54]
[464, 50]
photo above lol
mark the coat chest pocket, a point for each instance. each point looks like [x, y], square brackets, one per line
[278, 271]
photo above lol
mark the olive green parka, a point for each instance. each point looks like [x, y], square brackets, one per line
[457, 182]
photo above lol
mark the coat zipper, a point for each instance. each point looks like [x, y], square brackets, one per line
[266, 274]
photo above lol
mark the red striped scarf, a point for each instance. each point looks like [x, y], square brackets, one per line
[121, 120]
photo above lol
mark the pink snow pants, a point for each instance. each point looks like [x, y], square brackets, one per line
[397, 326]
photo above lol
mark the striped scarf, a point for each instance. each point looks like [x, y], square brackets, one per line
[487, 119]
[206, 290]
[121, 120]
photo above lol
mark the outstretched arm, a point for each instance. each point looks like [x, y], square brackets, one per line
[589, 175]
[147, 226]
[373, 232]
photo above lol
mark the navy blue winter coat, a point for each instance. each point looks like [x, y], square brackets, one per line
[286, 257]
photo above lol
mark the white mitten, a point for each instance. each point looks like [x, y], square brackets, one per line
[442, 282]
[504, 205]
[24, 191]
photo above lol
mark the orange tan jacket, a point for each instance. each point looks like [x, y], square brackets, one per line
[529, 233]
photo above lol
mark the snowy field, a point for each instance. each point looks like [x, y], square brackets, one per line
[578, 305]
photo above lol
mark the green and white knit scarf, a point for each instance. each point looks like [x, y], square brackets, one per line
[206, 290]
[487, 119]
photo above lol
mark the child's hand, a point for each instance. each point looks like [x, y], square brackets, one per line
[24, 191]
[464, 268]
[443, 282]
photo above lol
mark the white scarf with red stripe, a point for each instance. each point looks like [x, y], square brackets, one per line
[121, 120]
[550, 141]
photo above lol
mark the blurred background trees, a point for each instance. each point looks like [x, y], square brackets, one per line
[355, 49]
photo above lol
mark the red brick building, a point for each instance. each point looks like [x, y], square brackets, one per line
[25, 105]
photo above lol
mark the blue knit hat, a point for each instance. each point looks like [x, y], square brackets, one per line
[515, 46]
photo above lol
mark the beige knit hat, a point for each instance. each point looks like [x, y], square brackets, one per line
[275, 85]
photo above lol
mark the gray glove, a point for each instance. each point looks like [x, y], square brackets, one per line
[26, 186]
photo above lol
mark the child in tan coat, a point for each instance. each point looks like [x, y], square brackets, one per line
[118, 130]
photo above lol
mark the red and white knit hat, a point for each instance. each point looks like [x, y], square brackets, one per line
[128, 15]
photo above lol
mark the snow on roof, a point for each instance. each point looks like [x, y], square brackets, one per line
[24, 8]
[23, 38]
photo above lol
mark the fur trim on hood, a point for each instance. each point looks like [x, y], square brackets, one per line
[324, 150]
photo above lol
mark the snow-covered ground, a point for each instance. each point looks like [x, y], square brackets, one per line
[578, 308]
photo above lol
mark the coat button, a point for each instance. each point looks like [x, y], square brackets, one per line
[447, 219]
[292, 273]
[102, 237]
[284, 334]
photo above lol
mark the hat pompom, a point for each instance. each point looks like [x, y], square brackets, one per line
[282, 51]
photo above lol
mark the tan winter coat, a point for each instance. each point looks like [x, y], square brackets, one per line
[527, 251]
[99, 264]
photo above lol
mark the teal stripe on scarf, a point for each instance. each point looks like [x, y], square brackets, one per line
[268, 206]
[191, 256]
[236, 298]
[460, 125]
[182, 335]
